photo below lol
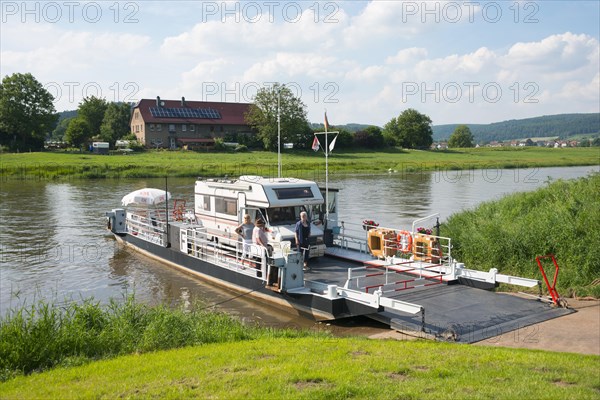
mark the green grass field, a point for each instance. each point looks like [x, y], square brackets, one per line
[49, 165]
[322, 368]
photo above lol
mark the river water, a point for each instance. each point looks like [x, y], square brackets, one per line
[54, 244]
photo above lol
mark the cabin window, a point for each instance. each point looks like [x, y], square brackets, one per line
[294, 193]
[226, 206]
[284, 215]
[204, 202]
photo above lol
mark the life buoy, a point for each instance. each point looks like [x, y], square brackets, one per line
[405, 241]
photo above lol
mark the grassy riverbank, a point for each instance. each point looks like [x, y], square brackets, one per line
[307, 164]
[562, 218]
[325, 368]
[45, 335]
[131, 350]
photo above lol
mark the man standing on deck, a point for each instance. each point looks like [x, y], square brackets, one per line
[302, 233]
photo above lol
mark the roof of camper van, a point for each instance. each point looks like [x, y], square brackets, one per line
[273, 192]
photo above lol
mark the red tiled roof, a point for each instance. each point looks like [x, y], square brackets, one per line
[231, 113]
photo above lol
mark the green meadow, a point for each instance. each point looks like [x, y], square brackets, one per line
[57, 165]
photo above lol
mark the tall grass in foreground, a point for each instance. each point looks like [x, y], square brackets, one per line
[562, 218]
[44, 335]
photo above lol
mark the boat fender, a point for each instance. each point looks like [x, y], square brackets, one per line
[405, 241]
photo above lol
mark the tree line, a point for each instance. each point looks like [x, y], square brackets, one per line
[27, 116]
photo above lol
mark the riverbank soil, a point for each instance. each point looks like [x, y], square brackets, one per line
[578, 332]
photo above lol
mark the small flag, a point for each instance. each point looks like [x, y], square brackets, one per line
[326, 122]
[332, 144]
[315, 145]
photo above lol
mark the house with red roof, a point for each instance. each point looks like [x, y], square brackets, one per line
[189, 124]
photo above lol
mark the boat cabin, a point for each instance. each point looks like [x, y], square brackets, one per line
[220, 205]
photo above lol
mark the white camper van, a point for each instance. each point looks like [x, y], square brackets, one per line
[220, 205]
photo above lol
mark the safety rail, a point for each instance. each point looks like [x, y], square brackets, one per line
[432, 249]
[351, 236]
[396, 243]
[219, 250]
[383, 280]
[149, 229]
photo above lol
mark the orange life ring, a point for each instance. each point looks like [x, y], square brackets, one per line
[405, 241]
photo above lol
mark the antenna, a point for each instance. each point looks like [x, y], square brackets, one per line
[278, 133]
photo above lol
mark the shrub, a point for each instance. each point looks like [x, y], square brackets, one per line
[561, 219]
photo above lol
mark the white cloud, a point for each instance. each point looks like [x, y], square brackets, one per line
[556, 52]
[406, 56]
[357, 65]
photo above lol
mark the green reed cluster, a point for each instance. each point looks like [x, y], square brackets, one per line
[562, 218]
[44, 335]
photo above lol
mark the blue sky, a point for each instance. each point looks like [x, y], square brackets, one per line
[363, 62]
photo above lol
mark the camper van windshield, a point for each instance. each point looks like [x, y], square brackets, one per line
[294, 193]
[284, 215]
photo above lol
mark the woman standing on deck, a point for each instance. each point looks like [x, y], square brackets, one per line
[245, 231]
[302, 233]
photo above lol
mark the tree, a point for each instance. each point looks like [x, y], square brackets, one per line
[59, 132]
[262, 116]
[461, 137]
[92, 110]
[345, 139]
[410, 130]
[370, 137]
[115, 124]
[27, 113]
[78, 132]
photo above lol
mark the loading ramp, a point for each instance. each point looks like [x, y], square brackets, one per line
[456, 303]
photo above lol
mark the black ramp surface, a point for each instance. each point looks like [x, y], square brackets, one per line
[469, 314]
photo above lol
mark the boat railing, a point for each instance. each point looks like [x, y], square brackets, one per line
[351, 236]
[424, 258]
[151, 228]
[221, 250]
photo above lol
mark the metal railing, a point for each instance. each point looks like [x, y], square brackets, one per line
[351, 236]
[148, 229]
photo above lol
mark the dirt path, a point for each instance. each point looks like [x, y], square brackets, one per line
[578, 332]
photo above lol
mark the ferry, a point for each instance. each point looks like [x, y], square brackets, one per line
[405, 278]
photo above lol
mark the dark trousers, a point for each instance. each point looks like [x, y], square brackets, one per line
[304, 248]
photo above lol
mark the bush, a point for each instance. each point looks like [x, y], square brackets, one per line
[561, 219]
[43, 335]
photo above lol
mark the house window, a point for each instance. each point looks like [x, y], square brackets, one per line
[159, 127]
[171, 127]
[192, 127]
[183, 127]
[152, 127]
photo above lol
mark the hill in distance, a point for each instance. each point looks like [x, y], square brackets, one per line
[563, 126]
